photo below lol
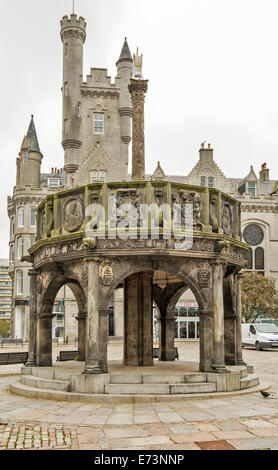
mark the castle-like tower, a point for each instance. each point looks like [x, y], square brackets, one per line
[96, 134]
[96, 113]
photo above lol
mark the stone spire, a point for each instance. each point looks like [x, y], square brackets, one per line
[125, 54]
[29, 160]
[158, 173]
[31, 140]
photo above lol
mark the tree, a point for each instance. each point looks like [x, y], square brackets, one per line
[259, 296]
[5, 327]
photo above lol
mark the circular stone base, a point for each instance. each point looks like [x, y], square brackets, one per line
[172, 381]
[28, 392]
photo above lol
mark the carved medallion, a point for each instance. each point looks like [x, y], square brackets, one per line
[106, 273]
[204, 275]
[73, 215]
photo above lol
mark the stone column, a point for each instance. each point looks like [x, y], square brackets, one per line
[230, 339]
[92, 360]
[138, 88]
[81, 335]
[138, 319]
[229, 321]
[218, 317]
[44, 339]
[239, 359]
[103, 338]
[31, 362]
[206, 340]
[167, 338]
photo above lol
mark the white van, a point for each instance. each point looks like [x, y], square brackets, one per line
[260, 335]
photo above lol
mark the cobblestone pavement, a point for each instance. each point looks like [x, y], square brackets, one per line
[235, 422]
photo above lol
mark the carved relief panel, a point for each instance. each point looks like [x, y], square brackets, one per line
[72, 214]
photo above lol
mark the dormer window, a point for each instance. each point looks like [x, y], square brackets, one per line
[251, 189]
[98, 123]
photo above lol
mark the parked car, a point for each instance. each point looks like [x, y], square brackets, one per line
[260, 335]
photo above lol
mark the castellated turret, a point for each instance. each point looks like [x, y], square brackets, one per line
[29, 160]
[73, 35]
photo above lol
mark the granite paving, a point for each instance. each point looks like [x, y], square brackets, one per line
[236, 422]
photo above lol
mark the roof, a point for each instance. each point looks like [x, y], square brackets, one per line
[125, 54]
[31, 140]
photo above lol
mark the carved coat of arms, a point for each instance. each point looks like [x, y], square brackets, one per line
[204, 275]
[106, 274]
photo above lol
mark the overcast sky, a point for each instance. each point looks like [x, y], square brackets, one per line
[212, 68]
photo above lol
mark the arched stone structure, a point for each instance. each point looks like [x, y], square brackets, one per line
[93, 266]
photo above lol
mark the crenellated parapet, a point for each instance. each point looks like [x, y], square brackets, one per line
[73, 27]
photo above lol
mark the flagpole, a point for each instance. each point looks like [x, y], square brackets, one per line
[73, 7]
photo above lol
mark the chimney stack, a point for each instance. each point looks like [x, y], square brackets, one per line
[206, 154]
[264, 173]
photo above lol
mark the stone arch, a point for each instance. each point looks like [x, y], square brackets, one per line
[46, 300]
[174, 299]
[166, 266]
[54, 285]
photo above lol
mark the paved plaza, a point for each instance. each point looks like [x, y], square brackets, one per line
[234, 422]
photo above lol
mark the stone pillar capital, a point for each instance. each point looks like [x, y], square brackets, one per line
[138, 88]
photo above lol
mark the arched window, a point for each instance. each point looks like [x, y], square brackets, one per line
[11, 254]
[33, 216]
[259, 258]
[249, 258]
[20, 217]
[12, 226]
[19, 282]
[20, 248]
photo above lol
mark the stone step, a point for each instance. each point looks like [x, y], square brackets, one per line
[138, 389]
[249, 381]
[193, 388]
[39, 382]
[145, 378]
[50, 373]
[159, 388]
[195, 378]
[18, 388]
